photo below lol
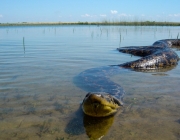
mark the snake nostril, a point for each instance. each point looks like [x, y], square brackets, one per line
[95, 104]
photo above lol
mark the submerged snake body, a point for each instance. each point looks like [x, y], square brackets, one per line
[105, 96]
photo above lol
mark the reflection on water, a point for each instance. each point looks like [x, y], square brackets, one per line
[97, 128]
[94, 127]
[38, 99]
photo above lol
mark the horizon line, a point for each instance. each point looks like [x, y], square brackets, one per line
[138, 23]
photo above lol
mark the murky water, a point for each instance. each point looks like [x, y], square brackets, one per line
[38, 99]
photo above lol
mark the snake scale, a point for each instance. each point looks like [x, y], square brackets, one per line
[104, 96]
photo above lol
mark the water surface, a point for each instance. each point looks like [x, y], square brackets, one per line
[38, 99]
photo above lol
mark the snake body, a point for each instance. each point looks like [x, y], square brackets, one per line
[104, 96]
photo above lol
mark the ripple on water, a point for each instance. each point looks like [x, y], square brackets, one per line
[38, 99]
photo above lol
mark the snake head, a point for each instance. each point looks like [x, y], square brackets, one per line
[100, 104]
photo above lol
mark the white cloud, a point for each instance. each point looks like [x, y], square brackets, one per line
[174, 15]
[142, 15]
[177, 15]
[1, 16]
[125, 15]
[87, 15]
[114, 12]
[102, 15]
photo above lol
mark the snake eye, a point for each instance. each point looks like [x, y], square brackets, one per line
[87, 94]
[116, 101]
[102, 96]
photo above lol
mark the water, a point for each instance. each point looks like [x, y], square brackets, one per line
[38, 99]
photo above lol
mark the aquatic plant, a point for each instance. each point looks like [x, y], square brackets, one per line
[58, 107]
[7, 110]
[44, 128]
[92, 34]
[30, 108]
[120, 40]
[18, 96]
[51, 98]
[24, 45]
[58, 138]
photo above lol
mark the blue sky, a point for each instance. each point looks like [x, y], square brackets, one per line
[88, 10]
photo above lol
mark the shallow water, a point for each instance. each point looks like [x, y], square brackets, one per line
[38, 99]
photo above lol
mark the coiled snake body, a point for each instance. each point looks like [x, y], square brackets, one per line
[105, 96]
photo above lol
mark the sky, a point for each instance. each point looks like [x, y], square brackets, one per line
[13, 11]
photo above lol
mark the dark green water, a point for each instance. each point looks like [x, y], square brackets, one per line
[38, 99]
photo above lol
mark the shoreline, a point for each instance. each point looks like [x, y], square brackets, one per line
[122, 23]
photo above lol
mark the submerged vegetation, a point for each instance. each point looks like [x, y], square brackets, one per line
[40, 101]
[125, 23]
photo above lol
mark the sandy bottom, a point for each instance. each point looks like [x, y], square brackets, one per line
[151, 111]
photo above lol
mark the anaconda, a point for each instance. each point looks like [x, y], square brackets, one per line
[104, 96]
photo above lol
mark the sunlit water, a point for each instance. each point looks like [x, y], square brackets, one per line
[39, 100]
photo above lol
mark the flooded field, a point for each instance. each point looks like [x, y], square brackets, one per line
[39, 99]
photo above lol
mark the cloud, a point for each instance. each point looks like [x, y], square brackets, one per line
[174, 15]
[87, 15]
[1, 16]
[125, 15]
[142, 15]
[102, 15]
[114, 12]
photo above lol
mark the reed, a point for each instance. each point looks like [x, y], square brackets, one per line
[92, 34]
[140, 23]
[120, 40]
[24, 45]
[23, 40]
[101, 31]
